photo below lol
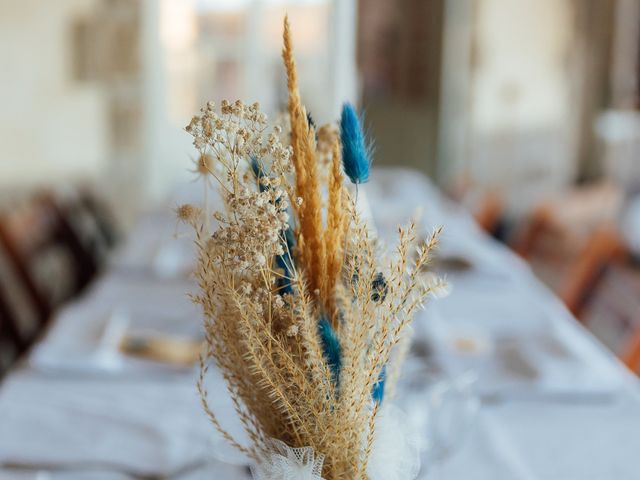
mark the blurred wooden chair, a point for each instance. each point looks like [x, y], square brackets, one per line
[630, 353]
[12, 342]
[92, 223]
[571, 216]
[598, 284]
[488, 213]
[103, 217]
[486, 206]
[8, 325]
[51, 246]
[19, 323]
[569, 241]
[540, 221]
[45, 253]
[603, 248]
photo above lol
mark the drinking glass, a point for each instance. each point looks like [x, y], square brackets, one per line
[443, 408]
[452, 410]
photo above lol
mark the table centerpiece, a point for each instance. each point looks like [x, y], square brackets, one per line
[305, 315]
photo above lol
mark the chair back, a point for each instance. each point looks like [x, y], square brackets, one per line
[45, 253]
[12, 344]
[90, 220]
[602, 249]
[630, 353]
[19, 322]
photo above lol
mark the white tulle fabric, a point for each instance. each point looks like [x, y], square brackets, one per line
[395, 453]
[286, 463]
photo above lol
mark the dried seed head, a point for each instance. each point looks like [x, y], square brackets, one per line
[187, 212]
[205, 164]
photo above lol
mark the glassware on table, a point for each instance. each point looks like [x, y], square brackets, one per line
[452, 411]
[444, 409]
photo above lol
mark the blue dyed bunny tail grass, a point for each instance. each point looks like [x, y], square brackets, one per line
[284, 262]
[289, 239]
[377, 392]
[331, 348]
[310, 121]
[356, 153]
[379, 288]
[258, 171]
[312, 124]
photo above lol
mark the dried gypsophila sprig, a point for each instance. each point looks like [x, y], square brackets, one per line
[264, 292]
[235, 134]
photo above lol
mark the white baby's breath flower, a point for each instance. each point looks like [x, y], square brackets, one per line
[293, 330]
[278, 301]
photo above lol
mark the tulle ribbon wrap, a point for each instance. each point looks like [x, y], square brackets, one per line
[395, 454]
[286, 463]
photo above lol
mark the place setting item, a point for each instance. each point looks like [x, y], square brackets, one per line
[127, 341]
[453, 264]
[162, 348]
[158, 343]
[512, 363]
[442, 408]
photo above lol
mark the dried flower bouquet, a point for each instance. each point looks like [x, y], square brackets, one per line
[303, 312]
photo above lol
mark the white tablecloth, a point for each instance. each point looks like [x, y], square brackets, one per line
[556, 404]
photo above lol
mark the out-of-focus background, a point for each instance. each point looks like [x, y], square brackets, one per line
[524, 111]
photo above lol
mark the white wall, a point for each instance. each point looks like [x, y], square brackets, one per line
[523, 107]
[510, 104]
[52, 129]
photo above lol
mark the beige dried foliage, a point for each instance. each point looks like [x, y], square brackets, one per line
[262, 301]
[305, 156]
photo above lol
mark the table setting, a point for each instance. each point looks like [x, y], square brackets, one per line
[429, 351]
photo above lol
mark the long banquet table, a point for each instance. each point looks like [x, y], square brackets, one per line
[555, 404]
